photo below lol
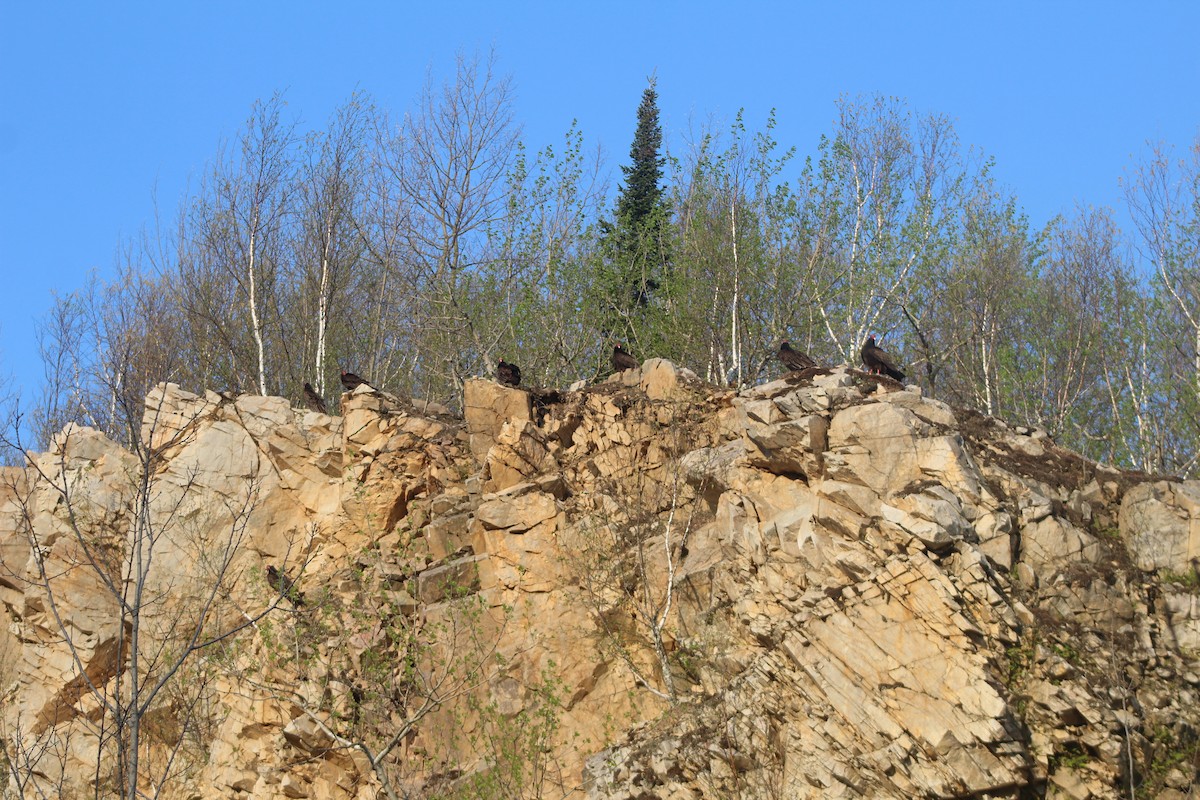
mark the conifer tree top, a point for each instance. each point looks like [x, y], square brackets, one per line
[642, 192]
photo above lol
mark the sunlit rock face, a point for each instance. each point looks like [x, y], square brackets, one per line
[823, 586]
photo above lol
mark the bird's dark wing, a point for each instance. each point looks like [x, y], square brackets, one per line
[794, 359]
[622, 360]
[877, 360]
[351, 381]
[314, 400]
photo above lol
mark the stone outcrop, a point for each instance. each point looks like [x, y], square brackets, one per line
[824, 586]
[1162, 523]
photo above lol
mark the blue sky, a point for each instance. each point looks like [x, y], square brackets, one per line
[105, 106]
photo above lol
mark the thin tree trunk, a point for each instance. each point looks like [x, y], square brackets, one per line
[139, 576]
[255, 324]
[735, 344]
[322, 324]
[985, 356]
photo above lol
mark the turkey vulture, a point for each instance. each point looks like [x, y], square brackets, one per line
[508, 374]
[284, 585]
[351, 381]
[622, 360]
[876, 361]
[313, 400]
[794, 359]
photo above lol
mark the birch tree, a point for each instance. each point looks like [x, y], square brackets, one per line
[890, 190]
[238, 227]
[735, 270]
[1163, 194]
[546, 244]
[979, 324]
[450, 160]
[100, 523]
[330, 188]
[1055, 379]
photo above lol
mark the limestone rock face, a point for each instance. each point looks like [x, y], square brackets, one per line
[825, 586]
[521, 451]
[1162, 521]
[488, 406]
[662, 380]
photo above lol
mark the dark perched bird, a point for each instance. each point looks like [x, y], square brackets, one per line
[284, 585]
[622, 360]
[314, 400]
[877, 361]
[794, 359]
[508, 374]
[351, 381]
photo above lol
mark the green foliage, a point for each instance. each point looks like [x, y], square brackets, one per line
[421, 255]
[1188, 581]
[515, 748]
[1067, 652]
[375, 669]
[1020, 660]
[634, 268]
[1166, 750]
[1072, 757]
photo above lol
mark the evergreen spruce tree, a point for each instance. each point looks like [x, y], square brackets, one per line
[636, 242]
[641, 198]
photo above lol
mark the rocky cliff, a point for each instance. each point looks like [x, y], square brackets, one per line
[826, 586]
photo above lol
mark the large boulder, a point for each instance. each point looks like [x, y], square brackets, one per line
[662, 380]
[488, 406]
[1161, 522]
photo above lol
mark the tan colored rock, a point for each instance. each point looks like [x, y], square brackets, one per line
[791, 445]
[170, 411]
[1161, 522]
[516, 511]
[1051, 543]
[934, 412]
[933, 518]
[888, 447]
[452, 579]
[846, 617]
[520, 452]
[1181, 611]
[390, 458]
[488, 406]
[662, 380]
[447, 534]
[714, 467]
[994, 530]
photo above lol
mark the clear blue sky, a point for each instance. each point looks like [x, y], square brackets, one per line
[101, 104]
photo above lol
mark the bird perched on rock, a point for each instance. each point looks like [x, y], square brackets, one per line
[877, 361]
[314, 400]
[508, 374]
[622, 360]
[285, 586]
[794, 359]
[351, 381]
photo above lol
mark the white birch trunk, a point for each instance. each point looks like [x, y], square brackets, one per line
[985, 356]
[255, 323]
[735, 343]
[323, 309]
